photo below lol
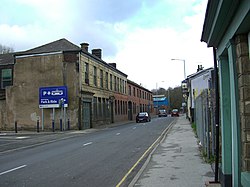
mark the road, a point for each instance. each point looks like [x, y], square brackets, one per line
[101, 158]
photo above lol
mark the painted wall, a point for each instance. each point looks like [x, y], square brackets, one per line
[198, 84]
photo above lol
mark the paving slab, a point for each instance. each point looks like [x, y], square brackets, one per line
[176, 161]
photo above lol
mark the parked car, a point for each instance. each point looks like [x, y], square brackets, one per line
[175, 112]
[143, 117]
[162, 113]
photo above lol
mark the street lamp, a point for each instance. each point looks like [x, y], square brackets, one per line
[183, 99]
[184, 65]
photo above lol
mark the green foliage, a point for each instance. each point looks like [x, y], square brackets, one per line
[194, 128]
[173, 94]
[208, 160]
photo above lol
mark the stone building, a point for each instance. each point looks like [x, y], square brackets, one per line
[227, 29]
[97, 91]
[6, 74]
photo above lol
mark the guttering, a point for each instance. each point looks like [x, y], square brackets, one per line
[38, 54]
[219, 15]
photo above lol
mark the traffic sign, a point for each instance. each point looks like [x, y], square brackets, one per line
[53, 97]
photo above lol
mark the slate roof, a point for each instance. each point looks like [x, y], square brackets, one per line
[139, 86]
[6, 59]
[58, 45]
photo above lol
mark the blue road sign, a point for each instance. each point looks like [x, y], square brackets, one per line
[53, 97]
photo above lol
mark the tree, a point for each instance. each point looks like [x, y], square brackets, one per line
[174, 95]
[5, 49]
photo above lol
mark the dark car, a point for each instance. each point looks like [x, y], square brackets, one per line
[162, 113]
[175, 112]
[143, 117]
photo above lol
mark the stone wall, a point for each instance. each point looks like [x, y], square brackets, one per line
[31, 73]
[3, 124]
[243, 69]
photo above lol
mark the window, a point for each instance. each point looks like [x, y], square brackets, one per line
[118, 84]
[101, 78]
[122, 86]
[120, 89]
[6, 79]
[125, 87]
[86, 70]
[134, 91]
[115, 83]
[111, 82]
[129, 90]
[107, 80]
[95, 76]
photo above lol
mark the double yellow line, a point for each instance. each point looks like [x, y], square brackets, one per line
[145, 153]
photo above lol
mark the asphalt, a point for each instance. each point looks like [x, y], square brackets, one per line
[176, 161]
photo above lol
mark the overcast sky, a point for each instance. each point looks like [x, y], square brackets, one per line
[140, 36]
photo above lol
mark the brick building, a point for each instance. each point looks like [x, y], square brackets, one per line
[139, 100]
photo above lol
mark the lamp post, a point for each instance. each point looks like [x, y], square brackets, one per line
[184, 65]
[183, 99]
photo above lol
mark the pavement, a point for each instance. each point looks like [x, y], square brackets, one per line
[176, 161]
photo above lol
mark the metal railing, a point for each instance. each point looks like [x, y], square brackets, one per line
[204, 121]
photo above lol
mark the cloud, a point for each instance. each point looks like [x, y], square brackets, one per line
[141, 36]
[145, 53]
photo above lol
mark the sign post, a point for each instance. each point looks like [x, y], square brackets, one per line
[53, 97]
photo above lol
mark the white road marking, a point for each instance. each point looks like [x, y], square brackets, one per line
[118, 134]
[22, 137]
[89, 143]
[8, 171]
[134, 127]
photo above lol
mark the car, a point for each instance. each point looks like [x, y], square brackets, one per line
[175, 112]
[162, 113]
[143, 117]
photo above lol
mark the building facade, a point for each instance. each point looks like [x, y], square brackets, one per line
[97, 91]
[227, 29]
[6, 74]
[139, 100]
[160, 102]
[196, 84]
[103, 90]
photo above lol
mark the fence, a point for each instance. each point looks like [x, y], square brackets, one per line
[204, 120]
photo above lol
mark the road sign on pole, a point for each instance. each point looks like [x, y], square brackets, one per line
[53, 97]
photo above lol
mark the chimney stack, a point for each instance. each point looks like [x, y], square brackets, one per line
[113, 65]
[199, 68]
[84, 46]
[97, 52]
